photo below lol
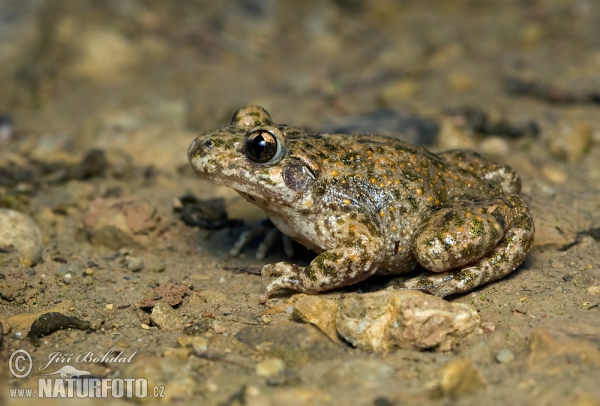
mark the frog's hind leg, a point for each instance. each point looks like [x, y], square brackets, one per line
[498, 173]
[479, 246]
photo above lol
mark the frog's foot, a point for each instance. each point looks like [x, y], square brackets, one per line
[331, 269]
[270, 232]
[474, 258]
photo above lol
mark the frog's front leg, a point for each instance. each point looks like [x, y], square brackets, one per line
[348, 263]
[471, 244]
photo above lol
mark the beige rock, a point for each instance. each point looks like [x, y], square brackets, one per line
[454, 133]
[390, 319]
[319, 312]
[270, 367]
[460, 378]
[165, 318]
[552, 351]
[571, 141]
[120, 223]
[19, 231]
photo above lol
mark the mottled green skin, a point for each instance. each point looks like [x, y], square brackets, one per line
[372, 204]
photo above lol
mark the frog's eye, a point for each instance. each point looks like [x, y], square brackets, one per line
[262, 146]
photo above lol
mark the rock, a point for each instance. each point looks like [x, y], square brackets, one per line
[496, 147]
[295, 344]
[170, 293]
[20, 232]
[552, 351]
[593, 290]
[554, 174]
[270, 367]
[505, 356]
[455, 133]
[319, 312]
[165, 318]
[134, 264]
[409, 319]
[571, 141]
[461, 378]
[120, 223]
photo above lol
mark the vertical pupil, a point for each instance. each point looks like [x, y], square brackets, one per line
[260, 143]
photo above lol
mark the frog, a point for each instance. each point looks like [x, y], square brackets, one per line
[371, 204]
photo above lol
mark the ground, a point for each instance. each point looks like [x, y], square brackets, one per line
[99, 102]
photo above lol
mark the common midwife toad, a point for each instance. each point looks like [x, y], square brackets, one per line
[371, 204]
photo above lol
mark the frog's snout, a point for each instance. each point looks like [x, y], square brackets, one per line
[198, 151]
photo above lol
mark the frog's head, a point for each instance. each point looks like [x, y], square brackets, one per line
[255, 157]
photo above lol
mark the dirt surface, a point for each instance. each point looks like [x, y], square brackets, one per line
[100, 100]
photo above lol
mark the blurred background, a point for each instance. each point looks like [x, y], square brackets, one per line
[144, 77]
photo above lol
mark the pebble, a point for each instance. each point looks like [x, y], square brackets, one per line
[505, 356]
[554, 174]
[21, 232]
[134, 264]
[270, 367]
[571, 141]
[118, 223]
[165, 318]
[319, 312]
[460, 378]
[496, 147]
[593, 290]
[552, 351]
[391, 319]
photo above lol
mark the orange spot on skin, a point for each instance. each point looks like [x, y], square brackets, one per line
[373, 180]
[419, 191]
[346, 201]
[334, 173]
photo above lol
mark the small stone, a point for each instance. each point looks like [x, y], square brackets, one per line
[177, 353]
[505, 356]
[593, 290]
[118, 223]
[571, 141]
[134, 264]
[319, 312]
[165, 318]
[270, 367]
[554, 174]
[171, 293]
[21, 233]
[145, 326]
[495, 147]
[218, 328]
[409, 319]
[552, 351]
[461, 378]
[200, 344]
[110, 306]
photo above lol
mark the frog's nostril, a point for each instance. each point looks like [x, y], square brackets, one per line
[208, 144]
